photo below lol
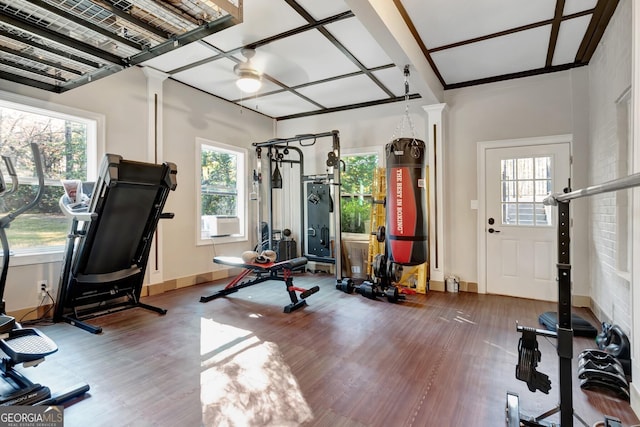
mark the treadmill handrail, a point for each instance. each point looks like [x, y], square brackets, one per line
[80, 216]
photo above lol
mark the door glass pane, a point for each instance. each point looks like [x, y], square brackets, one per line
[543, 215]
[525, 191]
[509, 191]
[509, 213]
[525, 182]
[508, 169]
[543, 188]
[525, 213]
[525, 168]
[543, 167]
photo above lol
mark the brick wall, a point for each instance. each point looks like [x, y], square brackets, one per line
[609, 79]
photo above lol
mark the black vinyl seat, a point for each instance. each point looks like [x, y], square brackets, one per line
[108, 247]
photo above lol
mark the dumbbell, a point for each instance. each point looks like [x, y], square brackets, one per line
[345, 285]
[368, 290]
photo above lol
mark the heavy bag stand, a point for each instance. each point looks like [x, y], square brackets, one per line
[405, 235]
[405, 230]
[528, 352]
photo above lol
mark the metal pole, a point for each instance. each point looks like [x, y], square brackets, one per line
[614, 185]
[336, 207]
[565, 331]
[297, 138]
[270, 202]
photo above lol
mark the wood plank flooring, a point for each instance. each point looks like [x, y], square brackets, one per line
[439, 359]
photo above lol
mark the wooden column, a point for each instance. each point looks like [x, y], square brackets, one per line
[435, 131]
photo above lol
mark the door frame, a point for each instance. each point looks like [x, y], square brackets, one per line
[482, 147]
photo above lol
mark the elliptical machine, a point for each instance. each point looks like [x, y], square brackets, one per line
[18, 345]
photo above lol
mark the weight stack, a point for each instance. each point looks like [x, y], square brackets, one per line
[286, 249]
[406, 228]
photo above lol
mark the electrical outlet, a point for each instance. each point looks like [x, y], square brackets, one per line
[43, 288]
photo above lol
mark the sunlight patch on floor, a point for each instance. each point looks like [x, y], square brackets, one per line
[245, 381]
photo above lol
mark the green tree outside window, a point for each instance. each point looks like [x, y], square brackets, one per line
[357, 183]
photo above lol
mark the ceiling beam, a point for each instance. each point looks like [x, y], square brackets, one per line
[555, 29]
[348, 107]
[294, 89]
[384, 21]
[510, 76]
[510, 31]
[418, 38]
[90, 77]
[602, 14]
[183, 39]
[307, 16]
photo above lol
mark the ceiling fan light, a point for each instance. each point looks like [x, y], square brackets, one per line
[249, 83]
[249, 79]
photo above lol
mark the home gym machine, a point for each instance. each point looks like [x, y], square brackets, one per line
[318, 224]
[405, 232]
[528, 353]
[18, 345]
[108, 246]
[316, 194]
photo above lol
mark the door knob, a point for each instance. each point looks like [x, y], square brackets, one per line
[491, 230]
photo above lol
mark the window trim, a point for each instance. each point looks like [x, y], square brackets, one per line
[243, 183]
[95, 150]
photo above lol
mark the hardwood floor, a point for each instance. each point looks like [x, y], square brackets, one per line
[437, 360]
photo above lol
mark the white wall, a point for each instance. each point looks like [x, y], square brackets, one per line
[536, 106]
[530, 107]
[609, 79]
[635, 295]
[188, 113]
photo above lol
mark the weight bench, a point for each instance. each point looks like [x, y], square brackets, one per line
[264, 272]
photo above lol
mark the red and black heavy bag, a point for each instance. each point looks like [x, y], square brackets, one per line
[406, 229]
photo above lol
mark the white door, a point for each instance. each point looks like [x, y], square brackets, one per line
[520, 231]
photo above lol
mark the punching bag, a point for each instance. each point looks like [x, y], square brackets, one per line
[406, 228]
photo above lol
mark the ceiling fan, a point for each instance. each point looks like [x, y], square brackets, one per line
[249, 78]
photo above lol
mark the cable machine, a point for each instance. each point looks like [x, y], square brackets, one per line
[319, 228]
[528, 353]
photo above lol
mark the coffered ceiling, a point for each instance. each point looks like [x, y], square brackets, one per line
[313, 56]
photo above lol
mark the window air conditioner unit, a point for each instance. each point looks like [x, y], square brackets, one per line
[220, 225]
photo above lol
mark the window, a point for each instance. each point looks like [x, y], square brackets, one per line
[356, 192]
[222, 209]
[525, 183]
[68, 142]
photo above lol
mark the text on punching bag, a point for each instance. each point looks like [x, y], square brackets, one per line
[399, 221]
